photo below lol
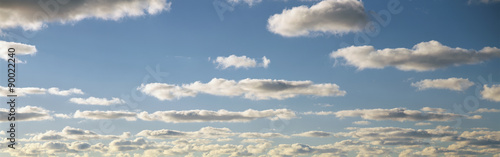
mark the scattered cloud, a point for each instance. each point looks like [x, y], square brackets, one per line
[425, 56]
[190, 116]
[20, 49]
[255, 89]
[398, 114]
[240, 62]
[27, 113]
[206, 132]
[32, 15]
[96, 115]
[97, 101]
[456, 84]
[262, 135]
[325, 17]
[248, 2]
[491, 93]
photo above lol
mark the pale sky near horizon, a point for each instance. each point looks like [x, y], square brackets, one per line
[253, 77]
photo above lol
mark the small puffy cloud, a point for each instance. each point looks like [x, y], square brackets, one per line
[398, 114]
[485, 110]
[491, 93]
[424, 56]
[314, 134]
[24, 91]
[190, 116]
[60, 115]
[34, 15]
[456, 84]
[364, 122]
[27, 113]
[240, 62]
[422, 123]
[96, 115]
[96, 101]
[56, 91]
[255, 89]
[325, 17]
[20, 49]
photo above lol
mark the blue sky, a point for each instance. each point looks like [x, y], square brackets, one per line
[129, 72]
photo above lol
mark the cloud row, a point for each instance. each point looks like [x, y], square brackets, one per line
[189, 116]
[240, 62]
[34, 15]
[325, 17]
[398, 114]
[255, 89]
[23, 91]
[96, 101]
[424, 56]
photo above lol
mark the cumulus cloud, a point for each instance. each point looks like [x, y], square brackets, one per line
[24, 91]
[325, 17]
[456, 84]
[20, 49]
[97, 101]
[262, 135]
[240, 62]
[491, 93]
[34, 15]
[255, 89]
[424, 56]
[398, 114]
[422, 123]
[27, 113]
[314, 134]
[215, 116]
[96, 115]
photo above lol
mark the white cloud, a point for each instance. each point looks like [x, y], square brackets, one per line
[485, 110]
[240, 62]
[424, 56]
[398, 114]
[32, 15]
[56, 91]
[328, 17]
[20, 49]
[364, 122]
[60, 115]
[96, 101]
[491, 93]
[96, 115]
[255, 89]
[24, 91]
[27, 113]
[314, 134]
[190, 116]
[456, 84]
